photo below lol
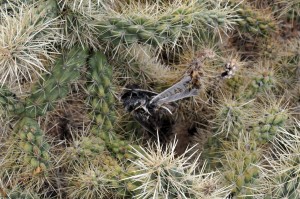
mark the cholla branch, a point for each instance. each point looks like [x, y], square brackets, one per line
[26, 42]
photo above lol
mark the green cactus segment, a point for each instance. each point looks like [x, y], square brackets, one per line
[230, 118]
[115, 173]
[86, 149]
[164, 29]
[268, 126]
[9, 104]
[119, 147]
[102, 102]
[90, 146]
[284, 159]
[33, 145]
[55, 86]
[241, 170]
[213, 152]
[101, 97]
[100, 180]
[229, 123]
[252, 21]
[234, 84]
[262, 82]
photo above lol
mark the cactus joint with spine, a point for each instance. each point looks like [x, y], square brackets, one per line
[166, 28]
[102, 102]
[32, 144]
[55, 85]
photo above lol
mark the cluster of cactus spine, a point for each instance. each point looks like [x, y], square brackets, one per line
[263, 81]
[265, 130]
[166, 28]
[33, 144]
[85, 148]
[284, 175]
[88, 181]
[241, 167]
[230, 118]
[78, 25]
[103, 178]
[252, 21]
[22, 28]
[102, 102]
[18, 193]
[55, 85]
[158, 173]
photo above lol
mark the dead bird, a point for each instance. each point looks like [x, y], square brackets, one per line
[154, 110]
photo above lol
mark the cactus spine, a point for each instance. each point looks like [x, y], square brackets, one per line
[254, 22]
[9, 104]
[166, 28]
[21, 30]
[102, 101]
[283, 177]
[55, 85]
[158, 173]
[33, 145]
[265, 130]
[241, 167]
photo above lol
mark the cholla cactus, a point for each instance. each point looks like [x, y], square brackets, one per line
[283, 174]
[231, 117]
[78, 22]
[85, 149]
[241, 166]
[267, 125]
[27, 160]
[163, 175]
[27, 38]
[56, 85]
[168, 25]
[83, 53]
[255, 22]
[263, 79]
[87, 181]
